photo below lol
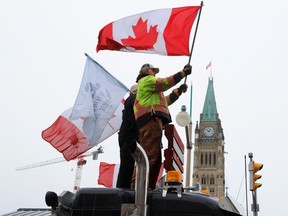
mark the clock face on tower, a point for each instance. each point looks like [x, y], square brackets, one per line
[208, 131]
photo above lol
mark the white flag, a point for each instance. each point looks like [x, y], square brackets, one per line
[99, 97]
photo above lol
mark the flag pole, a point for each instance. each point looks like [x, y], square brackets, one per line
[194, 36]
[211, 71]
[246, 196]
[190, 125]
[189, 144]
[191, 90]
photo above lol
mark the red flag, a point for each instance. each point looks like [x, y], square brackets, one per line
[108, 174]
[209, 65]
[66, 136]
[162, 31]
[96, 115]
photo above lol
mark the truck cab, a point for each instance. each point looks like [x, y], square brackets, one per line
[170, 198]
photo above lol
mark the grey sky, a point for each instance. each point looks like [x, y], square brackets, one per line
[42, 46]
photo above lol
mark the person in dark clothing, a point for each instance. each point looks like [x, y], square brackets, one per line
[128, 135]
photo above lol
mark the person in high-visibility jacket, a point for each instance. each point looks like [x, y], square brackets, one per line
[152, 113]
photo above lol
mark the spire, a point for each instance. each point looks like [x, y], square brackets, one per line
[209, 112]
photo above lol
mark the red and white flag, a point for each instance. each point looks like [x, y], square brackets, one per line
[96, 115]
[162, 31]
[209, 65]
[108, 174]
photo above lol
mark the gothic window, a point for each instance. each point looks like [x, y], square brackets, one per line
[214, 158]
[201, 158]
[212, 180]
[203, 180]
[206, 158]
[210, 157]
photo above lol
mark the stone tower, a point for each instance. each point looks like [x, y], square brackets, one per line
[209, 162]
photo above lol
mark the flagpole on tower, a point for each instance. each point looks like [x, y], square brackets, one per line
[191, 51]
[211, 71]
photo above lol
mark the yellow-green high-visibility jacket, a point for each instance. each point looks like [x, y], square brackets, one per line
[150, 100]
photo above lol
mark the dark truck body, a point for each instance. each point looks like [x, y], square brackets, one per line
[118, 202]
[169, 199]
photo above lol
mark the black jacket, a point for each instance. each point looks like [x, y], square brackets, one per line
[128, 130]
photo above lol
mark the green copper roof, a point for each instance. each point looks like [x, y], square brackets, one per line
[209, 112]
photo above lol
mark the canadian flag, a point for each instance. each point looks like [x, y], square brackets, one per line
[162, 31]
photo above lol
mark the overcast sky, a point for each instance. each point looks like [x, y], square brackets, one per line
[42, 46]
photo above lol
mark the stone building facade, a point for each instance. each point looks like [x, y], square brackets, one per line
[209, 161]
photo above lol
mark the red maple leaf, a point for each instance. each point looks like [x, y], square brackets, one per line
[143, 40]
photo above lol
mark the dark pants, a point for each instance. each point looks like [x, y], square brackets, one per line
[126, 165]
[150, 137]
